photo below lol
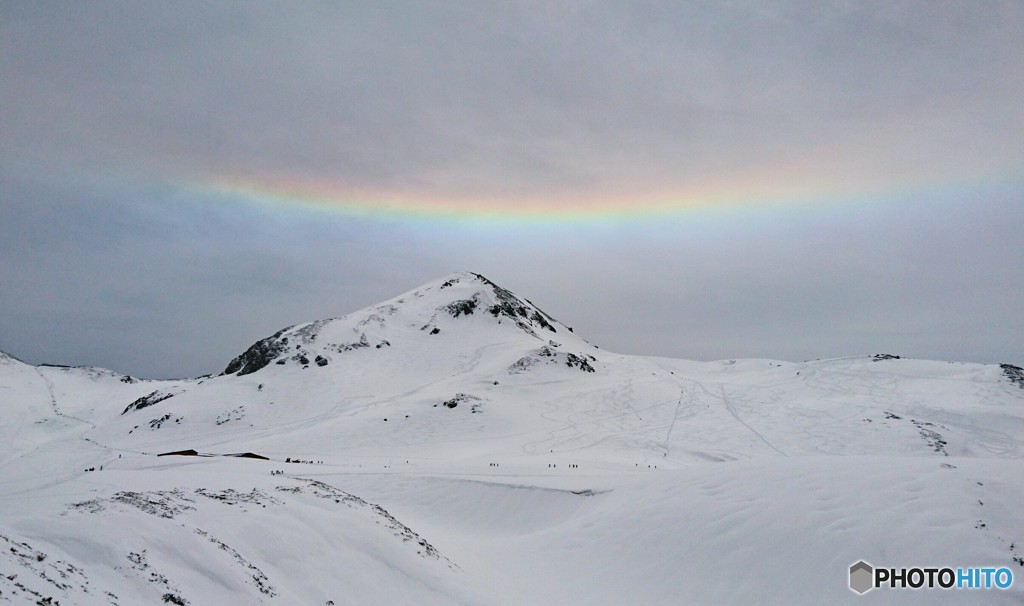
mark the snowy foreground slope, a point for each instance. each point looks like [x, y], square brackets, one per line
[457, 445]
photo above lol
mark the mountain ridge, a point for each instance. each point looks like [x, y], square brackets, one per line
[460, 446]
[500, 303]
[426, 308]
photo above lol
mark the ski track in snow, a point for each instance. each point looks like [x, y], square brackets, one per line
[732, 412]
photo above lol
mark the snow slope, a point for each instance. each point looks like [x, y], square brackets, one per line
[458, 445]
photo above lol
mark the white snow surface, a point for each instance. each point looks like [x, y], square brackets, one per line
[459, 446]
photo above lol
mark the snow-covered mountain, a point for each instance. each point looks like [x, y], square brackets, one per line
[458, 445]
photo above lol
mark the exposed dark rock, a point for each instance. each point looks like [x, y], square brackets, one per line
[321, 361]
[148, 400]
[158, 423]
[522, 365]
[931, 437]
[581, 361]
[880, 357]
[475, 403]
[361, 343]
[163, 504]
[259, 355]
[575, 361]
[1014, 373]
[464, 306]
[524, 314]
[236, 414]
[537, 317]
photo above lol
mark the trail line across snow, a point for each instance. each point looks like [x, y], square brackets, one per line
[732, 411]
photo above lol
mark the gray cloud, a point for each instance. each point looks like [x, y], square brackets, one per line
[111, 112]
[483, 99]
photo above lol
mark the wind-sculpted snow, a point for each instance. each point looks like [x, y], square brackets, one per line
[96, 374]
[171, 536]
[398, 529]
[584, 476]
[32, 577]
[139, 563]
[163, 504]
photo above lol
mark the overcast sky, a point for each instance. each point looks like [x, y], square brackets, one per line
[701, 180]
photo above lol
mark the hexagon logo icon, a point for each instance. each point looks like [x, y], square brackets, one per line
[861, 577]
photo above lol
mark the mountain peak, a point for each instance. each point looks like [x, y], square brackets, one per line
[464, 301]
[499, 302]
